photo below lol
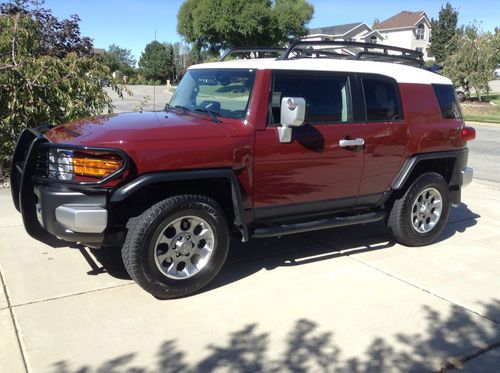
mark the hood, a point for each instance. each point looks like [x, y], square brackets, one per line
[119, 129]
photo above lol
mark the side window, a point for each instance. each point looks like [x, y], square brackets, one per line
[327, 96]
[381, 100]
[447, 101]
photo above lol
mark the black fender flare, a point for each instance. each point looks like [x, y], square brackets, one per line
[460, 155]
[142, 181]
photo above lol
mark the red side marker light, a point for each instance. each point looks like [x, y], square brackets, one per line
[468, 133]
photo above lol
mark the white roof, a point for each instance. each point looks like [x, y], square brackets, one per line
[401, 73]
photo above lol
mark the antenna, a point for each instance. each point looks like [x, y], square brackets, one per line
[154, 88]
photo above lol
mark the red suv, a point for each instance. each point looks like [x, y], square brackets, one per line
[328, 134]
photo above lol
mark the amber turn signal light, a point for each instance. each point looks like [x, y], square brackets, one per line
[95, 167]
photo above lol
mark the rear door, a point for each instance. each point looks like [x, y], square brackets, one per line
[386, 136]
[316, 171]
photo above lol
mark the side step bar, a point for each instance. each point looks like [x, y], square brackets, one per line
[284, 229]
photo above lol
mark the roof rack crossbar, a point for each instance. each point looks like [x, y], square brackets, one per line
[409, 56]
[251, 50]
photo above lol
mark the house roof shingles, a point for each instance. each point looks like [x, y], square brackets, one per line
[402, 19]
[334, 30]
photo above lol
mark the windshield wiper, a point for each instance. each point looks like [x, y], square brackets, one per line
[212, 114]
[169, 107]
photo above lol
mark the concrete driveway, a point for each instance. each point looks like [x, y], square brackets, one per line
[345, 300]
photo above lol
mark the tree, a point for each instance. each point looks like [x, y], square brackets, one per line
[471, 66]
[119, 59]
[41, 82]
[55, 37]
[156, 62]
[214, 25]
[443, 31]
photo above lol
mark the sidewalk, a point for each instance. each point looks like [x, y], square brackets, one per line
[336, 300]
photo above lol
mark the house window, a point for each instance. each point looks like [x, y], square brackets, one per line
[373, 39]
[419, 49]
[420, 31]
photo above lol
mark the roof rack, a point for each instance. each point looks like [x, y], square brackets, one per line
[252, 52]
[353, 50]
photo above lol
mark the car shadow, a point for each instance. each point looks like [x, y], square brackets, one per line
[246, 259]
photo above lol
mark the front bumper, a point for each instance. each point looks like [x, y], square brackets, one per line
[71, 215]
[55, 211]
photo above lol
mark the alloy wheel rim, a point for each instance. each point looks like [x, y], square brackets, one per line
[184, 247]
[426, 210]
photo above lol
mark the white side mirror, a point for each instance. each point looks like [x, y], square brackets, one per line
[293, 113]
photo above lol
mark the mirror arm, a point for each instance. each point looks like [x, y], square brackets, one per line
[285, 134]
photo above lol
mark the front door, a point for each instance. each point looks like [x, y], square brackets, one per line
[318, 170]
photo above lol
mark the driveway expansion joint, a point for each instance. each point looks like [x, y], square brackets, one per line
[464, 360]
[14, 321]
[72, 295]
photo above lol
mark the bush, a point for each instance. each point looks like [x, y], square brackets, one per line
[37, 89]
[158, 82]
[140, 80]
[132, 81]
[151, 82]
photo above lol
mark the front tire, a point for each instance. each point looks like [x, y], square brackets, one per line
[420, 215]
[177, 246]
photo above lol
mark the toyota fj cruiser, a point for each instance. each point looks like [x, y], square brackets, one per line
[328, 134]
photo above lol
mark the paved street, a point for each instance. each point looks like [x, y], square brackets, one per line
[484, 152]
[345, 299]
[147, 97]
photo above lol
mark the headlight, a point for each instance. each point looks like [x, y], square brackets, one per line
[68, 164]
[61, 164]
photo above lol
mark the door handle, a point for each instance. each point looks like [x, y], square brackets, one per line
[355, 142]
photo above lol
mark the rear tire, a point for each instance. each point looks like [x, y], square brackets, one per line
[420, 215]
[177, 246]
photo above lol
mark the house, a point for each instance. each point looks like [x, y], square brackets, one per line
[358, 31]
[411, 30]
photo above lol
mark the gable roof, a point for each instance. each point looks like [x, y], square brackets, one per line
[402, 19]
[335, 30]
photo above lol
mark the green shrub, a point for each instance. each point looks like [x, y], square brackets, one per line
[140, 80]
[38, 88]
[151, 82]
[132, 81]
[158, 82]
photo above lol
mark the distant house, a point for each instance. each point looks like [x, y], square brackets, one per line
[406, 29]
[358, 31]
[411, 30]
[98, 51]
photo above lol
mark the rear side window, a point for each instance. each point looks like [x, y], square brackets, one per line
[381, 100]
[327, 96]
[448, 104]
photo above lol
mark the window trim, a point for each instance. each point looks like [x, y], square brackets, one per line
[351, 82]
[399, 103]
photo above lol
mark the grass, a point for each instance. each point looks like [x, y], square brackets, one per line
[482, 112]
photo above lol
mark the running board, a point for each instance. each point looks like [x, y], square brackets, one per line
[284, 229]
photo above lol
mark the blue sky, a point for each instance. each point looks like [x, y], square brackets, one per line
[131, 24]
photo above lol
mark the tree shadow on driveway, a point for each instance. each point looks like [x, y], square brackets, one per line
[445, 342]
[245, 259]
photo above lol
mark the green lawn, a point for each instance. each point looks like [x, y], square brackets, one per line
[495, 118]
[490, 113]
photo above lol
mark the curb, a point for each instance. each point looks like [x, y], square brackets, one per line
[487, 183]
[484, 124]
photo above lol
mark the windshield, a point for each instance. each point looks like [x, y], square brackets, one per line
[223, 92]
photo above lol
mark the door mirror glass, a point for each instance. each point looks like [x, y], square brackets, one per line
[293, 113]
